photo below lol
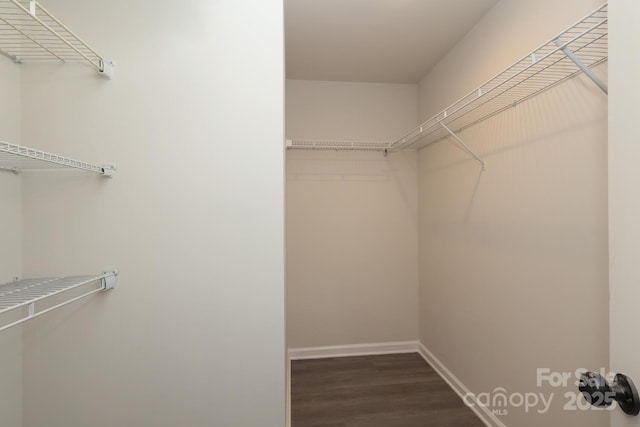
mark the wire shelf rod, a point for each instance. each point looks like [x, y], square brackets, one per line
[55, 307]
[534, 73]
[32, 15]
[337, 145]
[25, 35]
[26, 294]
[16, 157]
[552, 77]
[576, 50]
[69, 42]
[38, 31]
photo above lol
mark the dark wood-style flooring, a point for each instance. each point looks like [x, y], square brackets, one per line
[399, 390]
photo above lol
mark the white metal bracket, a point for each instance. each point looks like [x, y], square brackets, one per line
[106, 69]
[109, 281]
[461, 142]
[572, 56]
[108, 170]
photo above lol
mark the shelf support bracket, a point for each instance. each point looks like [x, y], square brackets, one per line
[461, 142]
[10, 169]
[108, 282]
[572, 56]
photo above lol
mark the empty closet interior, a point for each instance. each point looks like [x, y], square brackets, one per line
[442, 179]
[447, 188]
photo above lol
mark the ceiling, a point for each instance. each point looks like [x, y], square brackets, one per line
[391, 41]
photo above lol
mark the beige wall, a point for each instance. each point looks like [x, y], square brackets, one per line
[624, 205]
[513, 260]
[10, 249]
[351, 217]
[510, 30]
[193, 219]
[10, 208]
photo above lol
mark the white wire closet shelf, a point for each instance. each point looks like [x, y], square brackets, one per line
[337, 145]
[24, 296]
[28, 32]
[576, 50]
[17, 158]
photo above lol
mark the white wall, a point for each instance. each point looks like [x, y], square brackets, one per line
[624, 205]
[193, 219]
[10, 249]
[351, 217]
[513, 260]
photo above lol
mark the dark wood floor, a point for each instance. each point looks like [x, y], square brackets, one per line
[399, 390]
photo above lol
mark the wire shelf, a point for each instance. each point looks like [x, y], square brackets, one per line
[16, 158]
[337, 145]
[24, 294]
[28, 32]
[545, 67]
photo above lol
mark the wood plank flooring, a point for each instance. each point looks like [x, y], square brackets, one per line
[399, 390]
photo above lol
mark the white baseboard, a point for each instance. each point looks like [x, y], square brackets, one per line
[485, 415]
[288, 387]
[353, 350]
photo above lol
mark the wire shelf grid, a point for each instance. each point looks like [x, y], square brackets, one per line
[16, 157]
[545, 67]
[28, 292]
[28, 32]
[337, 145]
[542, 69]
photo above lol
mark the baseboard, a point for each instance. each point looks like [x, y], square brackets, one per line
[288, 387]
[353, 350]
[484, 413]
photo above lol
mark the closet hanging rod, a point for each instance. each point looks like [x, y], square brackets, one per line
[545, 67]
[28, 32]
[23, 296]
[16, 158]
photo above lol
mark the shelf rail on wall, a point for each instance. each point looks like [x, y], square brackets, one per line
[337, 145]
[576, 50]
[16, 158]
[28, 32]
[23, 297]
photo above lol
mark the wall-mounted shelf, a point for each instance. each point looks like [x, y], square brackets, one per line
[547, 66]
[337, 145]
[16, 158]
[23, 296]
[28, 32]
[574, 51]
